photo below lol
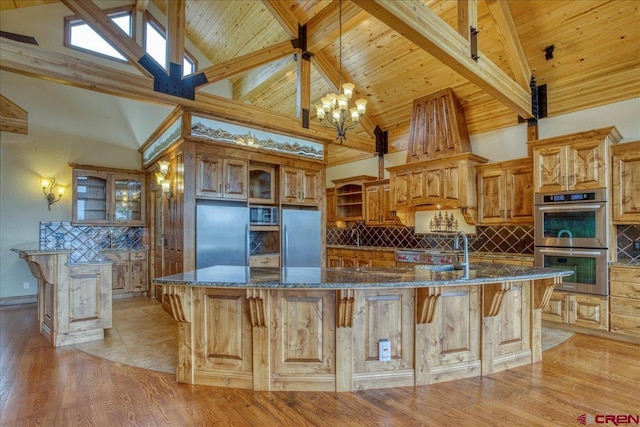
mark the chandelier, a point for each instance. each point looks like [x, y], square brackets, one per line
[334, 109]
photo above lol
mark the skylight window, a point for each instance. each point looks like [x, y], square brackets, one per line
[156, 46]
[82, 37]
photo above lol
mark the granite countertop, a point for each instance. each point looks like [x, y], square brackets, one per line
[353, 278]
[626, 262]
[27, 251]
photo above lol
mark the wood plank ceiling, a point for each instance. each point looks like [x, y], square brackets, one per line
[596, 55]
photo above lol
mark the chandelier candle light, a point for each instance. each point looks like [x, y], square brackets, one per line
[332, 112]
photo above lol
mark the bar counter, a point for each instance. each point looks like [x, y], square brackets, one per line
[319, 329]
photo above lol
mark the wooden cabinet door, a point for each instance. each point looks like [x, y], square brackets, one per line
[209, 176]
[386, 206]
[349, 262]
[331, 205]
[372, 205]
[290, 185]
[234, 178]
[452, 183]
[626, 187]
[138, 272]
[309, 180]
[262, 184]
[334, 261]
[120, 275]
[588, 311]
[556, 309]
[90, 197]
[491, 197]
[417, 183]
[549, 164]
[519, 195]
[400, 187]
[433, 184]
[586, 165]
[127, 203]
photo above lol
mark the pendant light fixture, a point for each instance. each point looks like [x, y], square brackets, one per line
[334, 110]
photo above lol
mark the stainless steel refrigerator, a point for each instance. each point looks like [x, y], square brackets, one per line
[301, 244]
[222, 234]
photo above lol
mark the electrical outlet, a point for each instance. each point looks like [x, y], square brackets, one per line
[25, 285]
[636, 245]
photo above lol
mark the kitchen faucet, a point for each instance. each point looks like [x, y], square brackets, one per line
[357, 233]
[466, 250]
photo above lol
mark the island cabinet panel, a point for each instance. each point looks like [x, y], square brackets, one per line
[222, 338]
[303, 336]
[448, 325]
[383, 314]
[506, 338]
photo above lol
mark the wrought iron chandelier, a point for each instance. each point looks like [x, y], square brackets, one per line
[334, 109]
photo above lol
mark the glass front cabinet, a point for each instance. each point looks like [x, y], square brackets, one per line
[102, 197]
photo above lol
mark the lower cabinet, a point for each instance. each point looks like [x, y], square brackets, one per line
[587, 311]
[129, 271]
[353, 258]
[624, 287]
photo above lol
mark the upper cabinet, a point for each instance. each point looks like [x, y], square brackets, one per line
[108, 197]
[218, 177]
[505, 192]
[573, 162]
[300, 186]
[350, 197]
[262, 183]
[449, 182]
[626, 183]
[377, 203]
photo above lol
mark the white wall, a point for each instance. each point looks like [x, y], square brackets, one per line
[66, 125]
[510, 143]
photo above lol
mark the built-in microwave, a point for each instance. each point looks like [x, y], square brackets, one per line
[263, 215]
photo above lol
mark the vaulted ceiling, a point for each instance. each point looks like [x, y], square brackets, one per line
[397, 51]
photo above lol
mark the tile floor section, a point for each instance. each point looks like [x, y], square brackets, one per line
[146, 336]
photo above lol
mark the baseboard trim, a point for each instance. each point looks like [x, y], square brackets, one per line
[25, 299]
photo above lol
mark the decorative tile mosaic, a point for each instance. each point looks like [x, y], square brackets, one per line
[626, 235]
[88, 241]
[507, 239]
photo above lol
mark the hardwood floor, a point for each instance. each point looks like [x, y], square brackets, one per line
[42, 385]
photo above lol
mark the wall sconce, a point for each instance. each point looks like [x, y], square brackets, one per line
[49, 190]
[161, 178]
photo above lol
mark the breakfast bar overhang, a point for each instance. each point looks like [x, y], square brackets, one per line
[319, 329]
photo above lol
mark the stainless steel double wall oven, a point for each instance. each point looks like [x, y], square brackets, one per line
[571, 232]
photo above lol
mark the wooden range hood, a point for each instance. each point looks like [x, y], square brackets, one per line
[440, 170]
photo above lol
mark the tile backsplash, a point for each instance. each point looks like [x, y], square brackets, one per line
[508, 239]
[505, 239]
[88, 241]
[627, 234]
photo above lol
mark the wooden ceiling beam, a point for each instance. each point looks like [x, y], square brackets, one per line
[141, 5]
[37, 62]
[467, 17]
[417, 23]
[176, 10]
[324, 27]
[508, 33]
[283, 15]
[246, 62]
[13, 118]
[100, 22]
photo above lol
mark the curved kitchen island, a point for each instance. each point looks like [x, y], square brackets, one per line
[318, 329]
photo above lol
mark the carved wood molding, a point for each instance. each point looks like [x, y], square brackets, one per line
[543, 289]
[345, 306]
[257, 309]
[493, 296]
[427, 299]
[177, 310]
